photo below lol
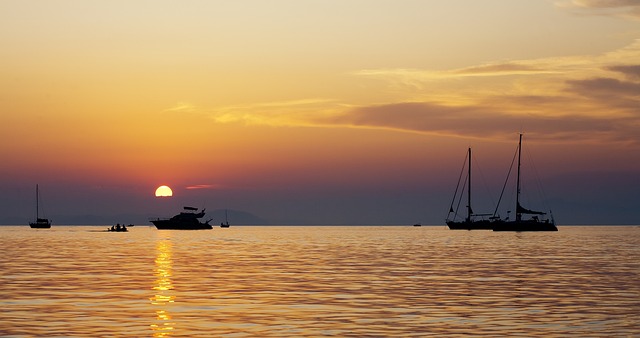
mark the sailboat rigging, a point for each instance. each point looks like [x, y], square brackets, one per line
[538, 220]
[40, 223]
[470, 222]
[226, 220]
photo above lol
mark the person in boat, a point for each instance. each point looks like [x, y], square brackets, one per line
[113, 228]
[118, 227]
[124, 227]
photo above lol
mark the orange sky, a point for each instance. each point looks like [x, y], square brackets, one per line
[301, 98]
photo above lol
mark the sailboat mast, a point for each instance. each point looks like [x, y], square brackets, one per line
[469, 190]
[37, 201]
[518, 214]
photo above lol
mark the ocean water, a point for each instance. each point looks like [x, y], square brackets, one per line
[359, 281]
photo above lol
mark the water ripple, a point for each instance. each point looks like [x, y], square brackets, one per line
[319, 281]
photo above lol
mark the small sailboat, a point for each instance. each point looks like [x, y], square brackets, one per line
[226, 220]
[471, 221]
[538, 220]
[40, 223]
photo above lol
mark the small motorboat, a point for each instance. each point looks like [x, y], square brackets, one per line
[118, 228]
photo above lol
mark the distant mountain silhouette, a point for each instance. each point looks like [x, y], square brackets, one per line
[235, 217]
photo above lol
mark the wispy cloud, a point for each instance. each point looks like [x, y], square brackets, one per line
[413, 77]
[605, 87]
[582, 97]
[585, 98]
[630, 71]
[499, 69]
[595, 108]
[202, 186]
[484, 121]
[622, 8]
[182, 107]
[281, 113]
[546, 66]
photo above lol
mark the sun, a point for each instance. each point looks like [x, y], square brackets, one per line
[164, 191]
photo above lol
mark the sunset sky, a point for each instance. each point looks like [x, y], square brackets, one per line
[316, 112]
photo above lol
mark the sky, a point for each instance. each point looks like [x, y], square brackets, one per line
[316, 112]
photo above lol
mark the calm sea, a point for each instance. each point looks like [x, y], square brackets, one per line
[362, 281]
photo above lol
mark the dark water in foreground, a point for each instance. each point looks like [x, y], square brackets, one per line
[319, 281]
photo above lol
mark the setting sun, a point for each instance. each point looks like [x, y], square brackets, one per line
[164, 191]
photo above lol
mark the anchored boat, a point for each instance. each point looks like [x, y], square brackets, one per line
[525, 220]
[40, 223]
[189, 219]
[226, 220]
[538, 221]
[471, 221]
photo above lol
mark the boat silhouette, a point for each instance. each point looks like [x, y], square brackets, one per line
[226, 220]
[40, 223]
[186, 220]
[118, 228]
[538, 220]
[471, 221]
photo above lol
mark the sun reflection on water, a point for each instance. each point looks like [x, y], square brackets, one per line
[369, 281]
[163, 286]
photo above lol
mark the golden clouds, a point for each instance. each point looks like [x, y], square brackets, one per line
[304, 112]
[589, 98]
[586, 98]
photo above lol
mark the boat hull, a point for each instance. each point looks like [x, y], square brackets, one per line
[177, 225]
[528, 225]
[40, 225]
[474, 225]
